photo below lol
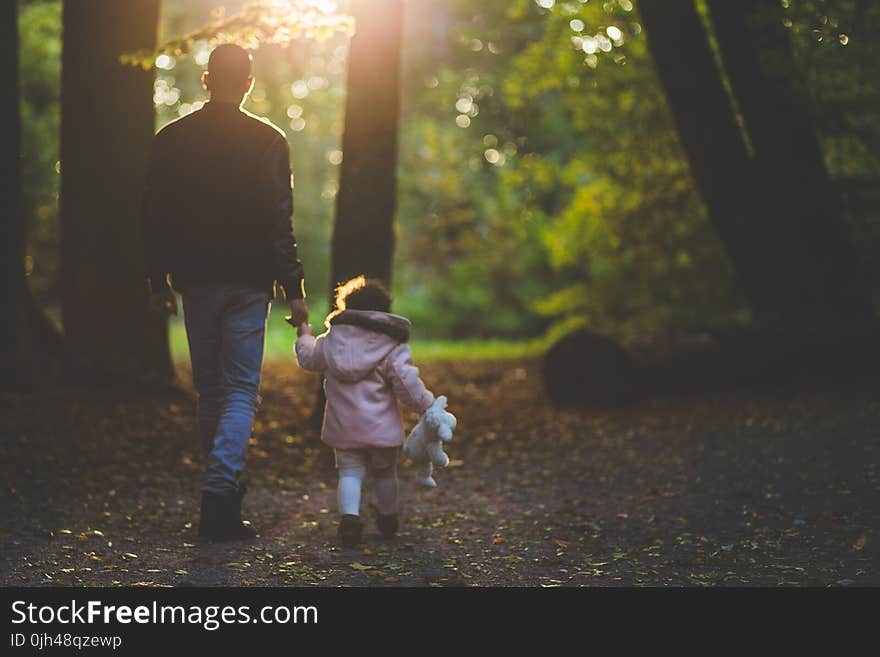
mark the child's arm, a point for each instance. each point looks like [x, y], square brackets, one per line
[399, 370]
[310, 351]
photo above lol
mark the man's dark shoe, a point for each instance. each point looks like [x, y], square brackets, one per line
[221, 517]
[350, 530]
[387, 525]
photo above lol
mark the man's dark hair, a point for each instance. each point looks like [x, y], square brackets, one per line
[362, 293]
[229, 67]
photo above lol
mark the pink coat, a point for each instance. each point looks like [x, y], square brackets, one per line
[368, 368]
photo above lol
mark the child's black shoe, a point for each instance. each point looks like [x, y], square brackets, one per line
[350, 530]
[387, 524]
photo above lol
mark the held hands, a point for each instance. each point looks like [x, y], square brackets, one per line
[164, 302]
[299, 314]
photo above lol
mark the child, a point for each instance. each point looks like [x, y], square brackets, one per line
[367, 369]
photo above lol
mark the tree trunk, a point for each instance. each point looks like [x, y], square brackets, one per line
[775, 102]
[718, 156]
[363, 234]
[107, 125]
[29, 355]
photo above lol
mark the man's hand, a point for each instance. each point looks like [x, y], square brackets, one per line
[299, 312]
[164, 302]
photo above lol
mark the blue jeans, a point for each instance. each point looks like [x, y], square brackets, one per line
[226, 330]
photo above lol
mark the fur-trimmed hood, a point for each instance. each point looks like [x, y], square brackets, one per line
[359, 340]
[393, 326]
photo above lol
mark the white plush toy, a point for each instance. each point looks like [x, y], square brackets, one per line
[425, 443]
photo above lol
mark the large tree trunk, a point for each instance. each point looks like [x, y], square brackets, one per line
[107, 125]
[363, 235]
[719, 159]
[775, 102]
[29, 346]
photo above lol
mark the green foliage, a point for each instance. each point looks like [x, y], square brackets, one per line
[632, 233]
[589, 216]
[566, 196]
[40, 74]
[258, 24]
[541, 182]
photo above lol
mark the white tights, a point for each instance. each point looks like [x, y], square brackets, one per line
[351, 479]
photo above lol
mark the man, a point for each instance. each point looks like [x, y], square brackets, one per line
[217, 218]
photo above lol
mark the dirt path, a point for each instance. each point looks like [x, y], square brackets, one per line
[762, 487]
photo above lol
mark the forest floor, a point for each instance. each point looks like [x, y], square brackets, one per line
[762, 487]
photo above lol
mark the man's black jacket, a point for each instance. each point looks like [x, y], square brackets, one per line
[218, 203]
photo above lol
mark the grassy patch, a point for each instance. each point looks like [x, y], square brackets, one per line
[280, 338]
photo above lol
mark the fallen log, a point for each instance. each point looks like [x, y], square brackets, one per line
[588, 369]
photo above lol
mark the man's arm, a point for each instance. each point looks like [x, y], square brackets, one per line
[151, 223]
[288, 268]
[152, 236]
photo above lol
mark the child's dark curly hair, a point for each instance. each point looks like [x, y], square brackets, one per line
[361, 293]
